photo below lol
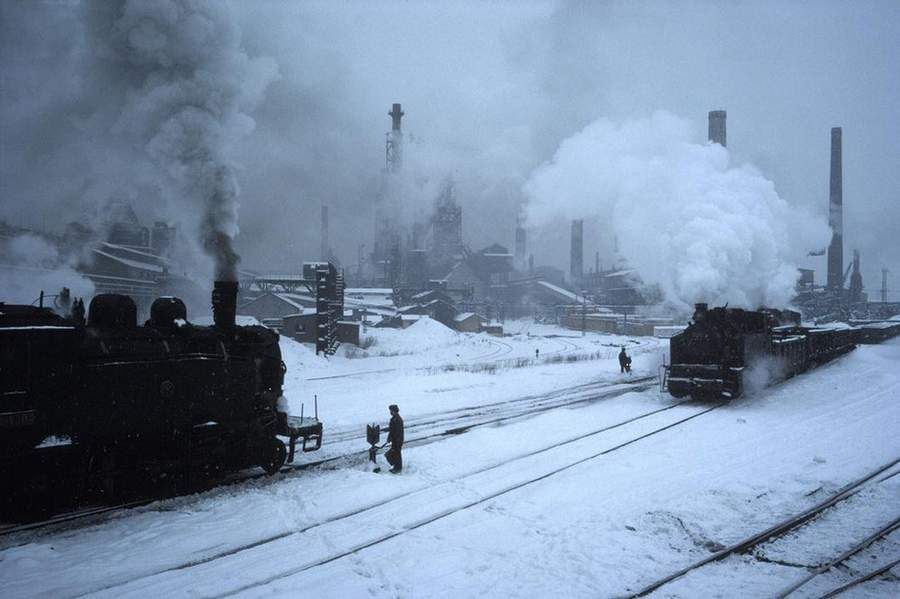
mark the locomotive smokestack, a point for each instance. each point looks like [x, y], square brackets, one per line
[224, 303]
[836, 215]
[717, 127]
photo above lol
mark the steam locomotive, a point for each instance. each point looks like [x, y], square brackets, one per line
[107, 406]
[723, 348]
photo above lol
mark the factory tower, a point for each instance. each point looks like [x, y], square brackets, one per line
[717, 127]
[577, 253]
[836, 215]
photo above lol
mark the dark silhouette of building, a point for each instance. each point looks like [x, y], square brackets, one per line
[447, 245]
[717, 132]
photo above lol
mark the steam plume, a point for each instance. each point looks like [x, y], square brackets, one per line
[189, 89]
[703, 230]
[29, 264]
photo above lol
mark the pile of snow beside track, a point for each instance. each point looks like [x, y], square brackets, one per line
[423, 335]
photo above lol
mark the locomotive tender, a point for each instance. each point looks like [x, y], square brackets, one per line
[95, 405]
[712, 358]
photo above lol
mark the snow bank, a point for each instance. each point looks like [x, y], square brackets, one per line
[423, 335]
[298, 356]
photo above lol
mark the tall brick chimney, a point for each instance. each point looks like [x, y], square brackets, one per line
[717, 127]
[836, 215]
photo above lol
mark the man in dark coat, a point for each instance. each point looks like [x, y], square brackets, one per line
[624, 361]
[395, 438]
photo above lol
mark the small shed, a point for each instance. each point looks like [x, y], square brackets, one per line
[271, 305]
[300, 327]
[468, 322]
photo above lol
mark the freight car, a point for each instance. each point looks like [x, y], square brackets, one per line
[723, 347]
[109, 405]
[876, 332]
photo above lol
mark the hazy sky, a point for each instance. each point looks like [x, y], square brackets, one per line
[490, 90]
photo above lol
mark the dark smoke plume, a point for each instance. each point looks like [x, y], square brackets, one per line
[189, 86]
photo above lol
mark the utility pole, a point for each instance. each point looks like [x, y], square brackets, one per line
[583, 312]
[884, 273]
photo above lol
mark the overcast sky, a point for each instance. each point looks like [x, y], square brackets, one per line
[490, 90]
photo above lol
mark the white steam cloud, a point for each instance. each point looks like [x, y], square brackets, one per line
[190, 87]
[30, 264]
[703, 230]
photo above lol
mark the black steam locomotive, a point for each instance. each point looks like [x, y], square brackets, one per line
[109, 405]
[722, 347]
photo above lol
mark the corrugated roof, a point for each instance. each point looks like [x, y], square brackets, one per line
[129, 262]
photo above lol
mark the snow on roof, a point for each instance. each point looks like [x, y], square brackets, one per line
[280, 277]
[124, 248]
[620, 273]
[569, 294]
[38, 327]
[300, 298]
[130, 262]
[369, 290]
[285, 298]
[464, 316]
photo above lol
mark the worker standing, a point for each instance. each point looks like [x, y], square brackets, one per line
[624, 361]
[394, 455]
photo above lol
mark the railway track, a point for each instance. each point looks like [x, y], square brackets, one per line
[778, 530]
[879, 535]
[501, 349]
[432, 428]
[460, 417]
[183, 571]
[861, 579]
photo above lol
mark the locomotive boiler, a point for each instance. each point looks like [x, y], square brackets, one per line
[109, 405]
[723, 347]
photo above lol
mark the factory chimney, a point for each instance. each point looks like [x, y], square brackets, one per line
[856, 283]
[717, 127]
[394, 146]
[577, 254]
[836, 215]
[520, 246]
[323, 251]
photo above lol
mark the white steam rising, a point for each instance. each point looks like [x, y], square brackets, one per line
[31, 264]
[701, 229]
[190, 88]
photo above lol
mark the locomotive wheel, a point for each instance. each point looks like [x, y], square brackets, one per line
[275, 454]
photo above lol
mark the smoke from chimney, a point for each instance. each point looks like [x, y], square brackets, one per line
[188, 89]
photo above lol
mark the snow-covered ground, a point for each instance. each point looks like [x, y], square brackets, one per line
[592, 498]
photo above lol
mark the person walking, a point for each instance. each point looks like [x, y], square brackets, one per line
[624, 361]
[394, 455]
